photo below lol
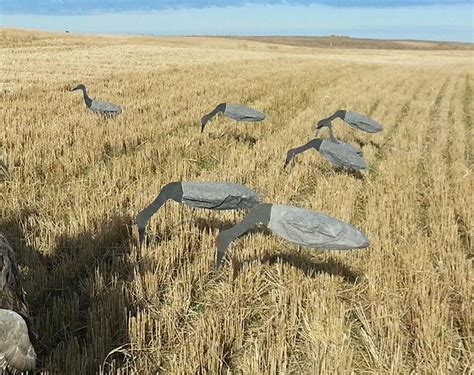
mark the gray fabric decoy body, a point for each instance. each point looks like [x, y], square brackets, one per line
[336, 153]
[16, 351]
[354, 119]
[297, 225]
[98, 106]
[236, 112]
[211, 195]
[347, 146]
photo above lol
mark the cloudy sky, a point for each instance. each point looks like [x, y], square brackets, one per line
[402, 19]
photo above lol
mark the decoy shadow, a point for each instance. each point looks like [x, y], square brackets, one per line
[306, 264]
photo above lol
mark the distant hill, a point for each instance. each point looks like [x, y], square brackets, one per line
[342, 41]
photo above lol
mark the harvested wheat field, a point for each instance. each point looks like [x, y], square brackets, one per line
[72, 183]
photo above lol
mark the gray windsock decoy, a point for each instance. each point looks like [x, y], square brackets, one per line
[98, 106]
[348, 146]
[354, 119]
[16, 351]
[297, 225]
[336, 153]
[210, 195]
[237, 112]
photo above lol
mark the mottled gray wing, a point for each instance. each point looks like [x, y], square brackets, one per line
[218, 195]
[16, 351]
[362, 122]
[353, 149]
[313, 229]
[341, 156]
[241, 112]
[105, 107]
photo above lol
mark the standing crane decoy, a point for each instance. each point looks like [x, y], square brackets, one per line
[336, 153]
[354, 119]
[298, 225]
[200, 194]
[16, 351]
[237, 112]
[98, 106]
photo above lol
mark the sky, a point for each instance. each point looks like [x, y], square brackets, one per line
[418, 19]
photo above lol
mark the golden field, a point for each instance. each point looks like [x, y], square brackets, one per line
[71, 183]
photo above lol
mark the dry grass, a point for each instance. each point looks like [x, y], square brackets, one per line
[71, 183]
[338, 42]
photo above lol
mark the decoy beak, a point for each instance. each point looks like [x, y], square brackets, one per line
[204, 121]
[141, 236]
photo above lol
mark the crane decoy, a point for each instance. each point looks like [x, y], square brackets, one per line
[237, 112]
[16, 351]
[297, 225]
[336, 153]
[201, 194]
[98, 106]
[354, 119]
[348, 146]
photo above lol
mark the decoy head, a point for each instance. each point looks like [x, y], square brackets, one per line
[79, 87]
[289, 155]
[141, 223]
[204, 121]
[322, 123]
[221, 245]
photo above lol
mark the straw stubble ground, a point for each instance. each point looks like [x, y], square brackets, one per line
[72, 183]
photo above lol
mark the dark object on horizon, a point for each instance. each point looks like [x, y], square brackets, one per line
[237, 112]
[98, 106]
[16, 351]
[297, 225]
[201, 194]
[354, 119]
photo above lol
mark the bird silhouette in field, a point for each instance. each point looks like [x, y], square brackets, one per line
[211, 195]
[237, 112]
[354, 119]
[98, 106]
[16, 351]
[297, 225]
[337, 153]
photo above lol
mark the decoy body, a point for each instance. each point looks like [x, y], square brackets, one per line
[16, 351]
[98, 106]
[200, 194]
[354, 119]
[336, 153]
[298, 225]
[348, 146]
[237, 112]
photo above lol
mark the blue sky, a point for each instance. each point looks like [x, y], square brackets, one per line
[402, 19]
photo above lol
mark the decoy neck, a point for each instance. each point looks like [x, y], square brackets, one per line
[205, 119]
[260, 214]
[328, 120]
[87, 99]
[314, 143]
[173, 190]
[331, 135]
